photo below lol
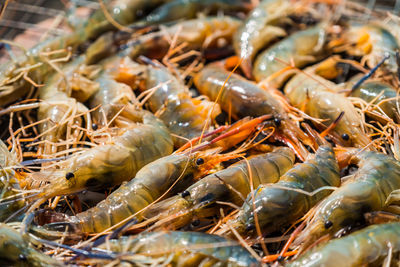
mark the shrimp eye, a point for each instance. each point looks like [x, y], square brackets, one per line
[200, 161]
[95, 126]
[249, 227]
[185, 193]
[69, 175]
[277, 121]
[328, 224]
[22, 257]
[345, 137]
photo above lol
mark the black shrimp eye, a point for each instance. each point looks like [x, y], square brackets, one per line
[250, 227]
[69, 175]
[277, 121]
[95, 126]
[345, 137]
[200, 161]
[328, 224]
[185, 193]
[196, 222]
[22, 257]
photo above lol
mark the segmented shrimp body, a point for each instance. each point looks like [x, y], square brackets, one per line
[263, 25]
[377, 176]
[380, 94]
[277, 206]
[183, 249]
[10, 189]
[239, 97]
[319, 98]
[300, 48]
[150, 183]
[112, 163]
[230, 185]
[15, 250]
[369, 246]
[183, 115]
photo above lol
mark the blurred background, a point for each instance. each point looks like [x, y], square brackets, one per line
[27, 22]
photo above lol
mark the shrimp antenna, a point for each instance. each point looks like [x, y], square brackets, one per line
[79, 252]
[370, 73]
[115, 233]
[150, 62]
[40, 161]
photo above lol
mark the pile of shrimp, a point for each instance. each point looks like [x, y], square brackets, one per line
[204, 133]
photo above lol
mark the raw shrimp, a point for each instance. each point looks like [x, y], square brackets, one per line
[183, 115]
[9, 184]
[300, 48]
[13, 76]
[189, 9]
[377, 176]
[229, 185]
[372, 42]
[240, 97]
[205, 35]
[150, 183]
[112, 163]
[383, 96]
[110, 42]
[276, 206]
[59, 108]
[182, 249]
[261, 27]
[16, 251]
[370, 246]
[319, 99]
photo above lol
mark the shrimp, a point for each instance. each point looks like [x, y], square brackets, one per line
[377, 176]
[369, 246]
[122, 12]
[183, 115]
[9, 184]
[276, 206]
[383, 96]
[261, 27]
[18, 77]
[59, 106]
[110, 42]
[228, 185]
[150, 183]
[204, 34]
[373, 42]
[14, 79]
[182, 249]
[16, 251]
[318, 98]
[188, 9]
[301, 48]
[241, 97]
[112, 163]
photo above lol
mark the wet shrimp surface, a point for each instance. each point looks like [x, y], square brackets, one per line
[201, 133]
